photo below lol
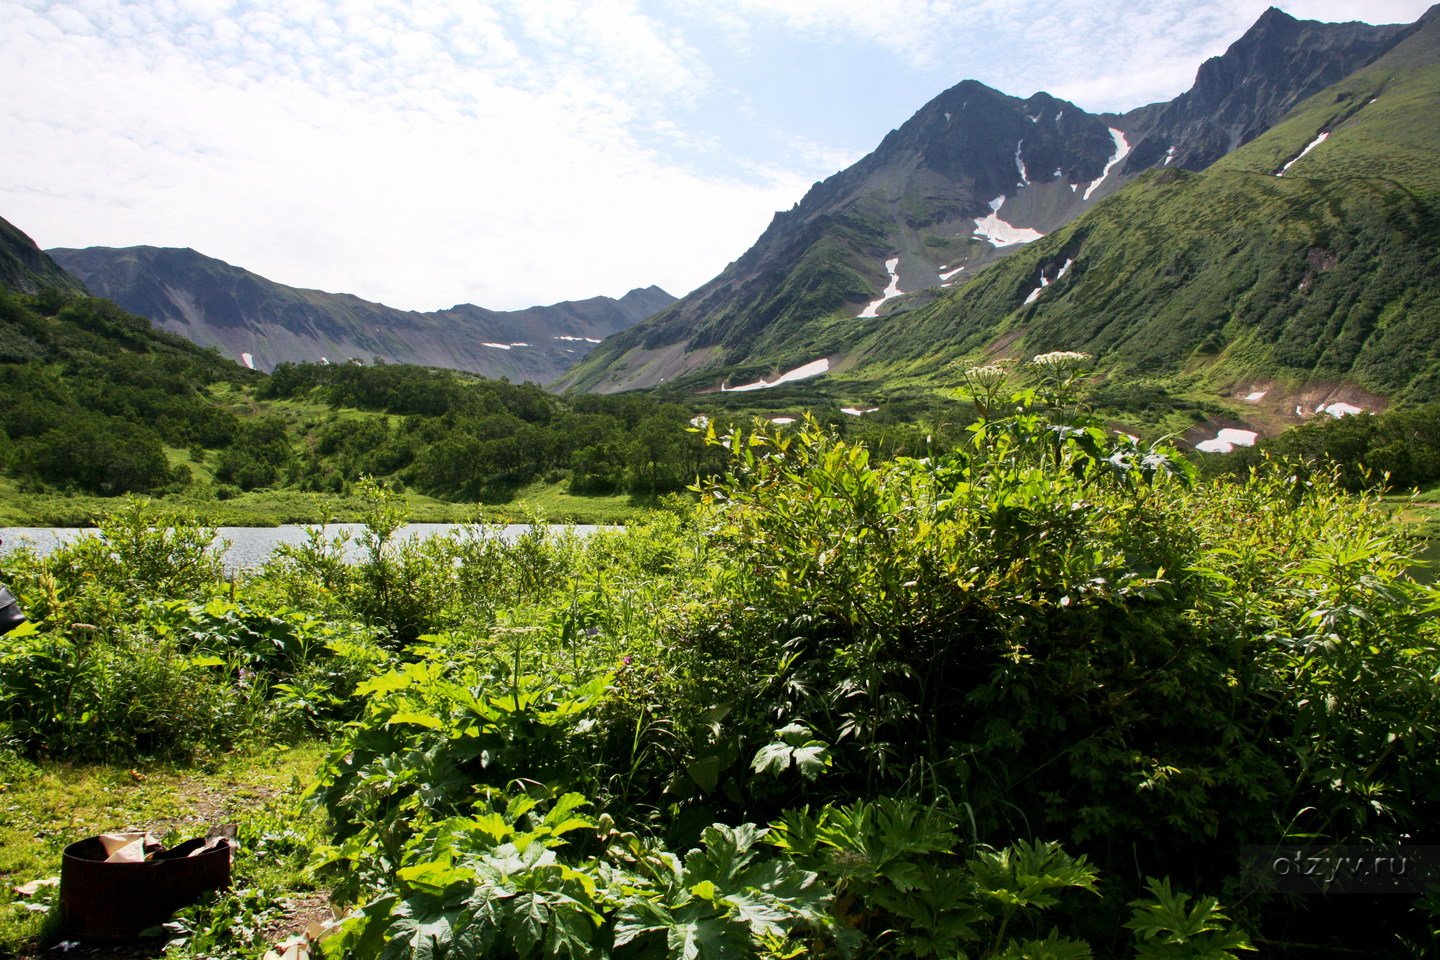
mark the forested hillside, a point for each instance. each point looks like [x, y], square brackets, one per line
[93, 400]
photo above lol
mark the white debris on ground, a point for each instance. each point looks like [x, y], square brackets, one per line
[1122, 150]
[1308, 147]
[892, 266]
[999, 233]
[1035, 294]
[1255, 396]
[1228, 439]
[248, 360]
[812, 369]
[700, 420]
[857, 411]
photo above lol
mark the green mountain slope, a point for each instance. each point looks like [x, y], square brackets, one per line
[1329, 272]
[970, 180]
[24, 267]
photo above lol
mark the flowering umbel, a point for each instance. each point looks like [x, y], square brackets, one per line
[987, 386]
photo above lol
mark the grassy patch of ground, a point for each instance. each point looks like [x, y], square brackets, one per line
[46, 806]
[268, 508]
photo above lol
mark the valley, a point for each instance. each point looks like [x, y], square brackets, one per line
[1018, 551]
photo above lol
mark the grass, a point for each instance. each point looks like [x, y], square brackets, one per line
[46, 806]
[269, 508]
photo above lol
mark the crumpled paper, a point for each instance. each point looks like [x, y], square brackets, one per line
[138, 847]
[127, 847]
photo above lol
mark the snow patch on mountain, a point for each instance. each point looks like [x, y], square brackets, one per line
[248, 360]
[892, 266]
[1044, 282]
[812, 369]
[1228, 439]
[999, 233]
[1020, 164]
[1324, 135]
[1122, 150]
[1169, 155]
[1338, 410]
[946, 276]
[857, 411]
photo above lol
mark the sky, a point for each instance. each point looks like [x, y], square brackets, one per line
[424, 153]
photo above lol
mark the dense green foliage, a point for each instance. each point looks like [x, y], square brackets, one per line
[1398, 450]
[93, 401]
[965, 703]
[90, 396]
[478, 439]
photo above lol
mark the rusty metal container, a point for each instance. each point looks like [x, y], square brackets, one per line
[116, 901]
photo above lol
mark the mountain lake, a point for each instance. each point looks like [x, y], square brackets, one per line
[247, 547]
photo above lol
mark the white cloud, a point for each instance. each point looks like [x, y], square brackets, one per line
[408, 152]
[1111, 56]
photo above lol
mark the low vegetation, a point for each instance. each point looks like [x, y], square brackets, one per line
[94, 405]
[1029, 696]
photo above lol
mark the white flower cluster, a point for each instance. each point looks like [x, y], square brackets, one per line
[1058, 359]
[989, 376]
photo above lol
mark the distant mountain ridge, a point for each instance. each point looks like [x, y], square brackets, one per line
[969, 180]
[262, 323]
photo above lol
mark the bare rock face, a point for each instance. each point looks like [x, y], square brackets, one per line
[1244, 92]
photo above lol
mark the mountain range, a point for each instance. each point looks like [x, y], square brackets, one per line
[261, 323]
[977, 180]
[1269, 233]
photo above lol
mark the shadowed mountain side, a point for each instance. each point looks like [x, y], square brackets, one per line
[245, 315]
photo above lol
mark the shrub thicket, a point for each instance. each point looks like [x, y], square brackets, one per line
[978, 698]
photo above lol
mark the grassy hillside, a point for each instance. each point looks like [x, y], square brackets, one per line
[1330, 272]
[23, 266]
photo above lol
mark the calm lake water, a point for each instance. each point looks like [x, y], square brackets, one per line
[252, 546]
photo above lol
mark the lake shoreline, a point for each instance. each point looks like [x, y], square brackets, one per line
[248, 547]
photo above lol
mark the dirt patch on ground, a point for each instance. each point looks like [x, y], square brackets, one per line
[1000, 347]
[301, 911]
[1269, 407]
